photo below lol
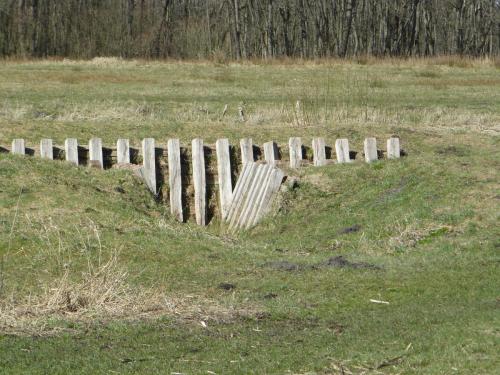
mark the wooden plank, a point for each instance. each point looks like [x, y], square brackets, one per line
[342, 151]
[46, 149]
[149, 164]
[224, 176]
[370, 146]
[240, 190]
[175, 179]
[253, 191]
[71, 150]
[271, 153]
[199, 181]
[95, 151]
[259, 197]
[319, 152]
[18, 147]
[295, 149]
[123, 151]
[246, 145]
[393, 149]
[272, 188]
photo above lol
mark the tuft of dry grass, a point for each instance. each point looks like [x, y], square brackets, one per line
[104, 294]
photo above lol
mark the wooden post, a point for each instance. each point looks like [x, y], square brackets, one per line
[256, 203]
[18, 147]
[71, 150]
[149, 163]
[175, 178]
[246, 145]
[270, 153]
[241, 187]
[342, 151]
[46, 149]
[199, 181]
[393, 150]
[370, 150]
[253, 189]
[295, 150]
[318, 145]
[95, 151]
[123, 151]
[224, 174]
[274, 183]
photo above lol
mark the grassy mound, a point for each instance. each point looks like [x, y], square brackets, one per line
[390, 267]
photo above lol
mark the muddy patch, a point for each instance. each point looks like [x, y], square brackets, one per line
[352, 229]
[333, 262]
[284, 265]
[341, 262]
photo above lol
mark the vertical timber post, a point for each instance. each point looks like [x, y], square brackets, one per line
[123, 151]
[71, 150]
[342, 151]
[318, 145]
[246, 145]
[18, 147]
[224, 174]
[175, 179]
[393, 148]
[370, 146]
[295, 149]
[149, 163]
[270, 153]
[199, 181]
[95, 152]
[46, 149]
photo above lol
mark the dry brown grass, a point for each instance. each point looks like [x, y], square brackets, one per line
[103, 294]
[456, 61]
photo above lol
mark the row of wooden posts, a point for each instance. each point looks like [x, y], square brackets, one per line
[224, 168]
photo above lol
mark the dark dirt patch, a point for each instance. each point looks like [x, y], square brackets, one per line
[284, 265]
[119, 189]
[226, 286]
[341, 262]
[337, 262]
[351, 229]
[271, 296]
[459, 151]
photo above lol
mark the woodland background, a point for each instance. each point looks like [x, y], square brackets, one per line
[240, 29]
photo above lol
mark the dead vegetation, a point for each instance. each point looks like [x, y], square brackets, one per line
[104, 294]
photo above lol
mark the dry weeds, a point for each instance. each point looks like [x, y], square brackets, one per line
[104, 294]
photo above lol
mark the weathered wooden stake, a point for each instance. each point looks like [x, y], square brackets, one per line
[46, 149]
[18, 147]
[370, 150]
[318, 145]
[274, 183]
[149, 163]
[239, 191]
[224, 174]
[123, 151]
[95, 151]
[246, 145]
[271, 153]
[71, 150]
[393, 150]
[199, 181]
[259, 197]
[295, 149]
[175, 178]
[253, 190]
[342, 151]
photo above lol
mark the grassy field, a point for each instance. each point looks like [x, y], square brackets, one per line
[95, 277]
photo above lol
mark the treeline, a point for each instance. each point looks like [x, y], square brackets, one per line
[248, 28]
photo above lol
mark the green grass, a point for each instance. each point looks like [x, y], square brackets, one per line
[428, 222]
